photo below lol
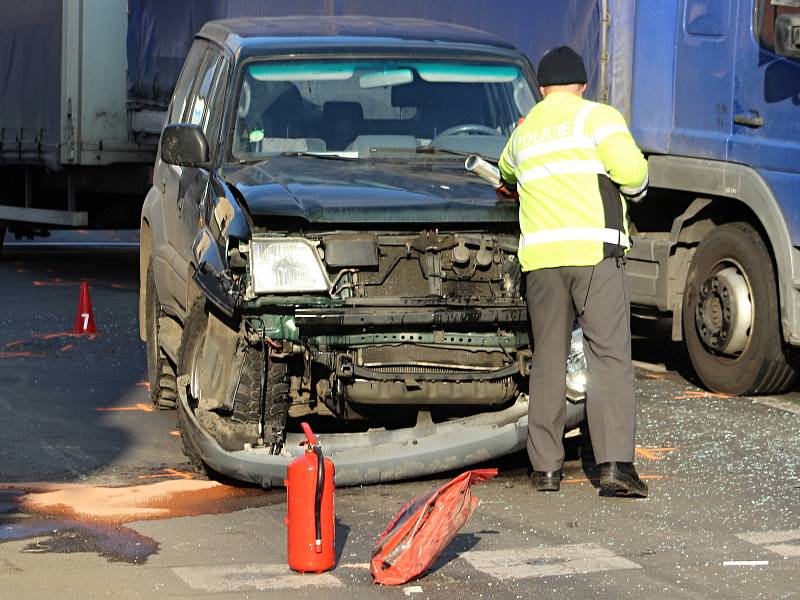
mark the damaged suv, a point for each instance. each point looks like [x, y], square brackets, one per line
[312, 248]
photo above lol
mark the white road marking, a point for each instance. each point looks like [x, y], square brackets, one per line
[353, 566]
[786, 405]
[744, 563]
[252, 576]
[785, 542]
[569, 559]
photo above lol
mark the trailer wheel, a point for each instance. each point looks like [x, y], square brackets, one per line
[731, 317]
[160, 372]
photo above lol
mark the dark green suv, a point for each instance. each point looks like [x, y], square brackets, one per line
[313, 249]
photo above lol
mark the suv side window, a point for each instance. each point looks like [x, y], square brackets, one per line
[205, 105]
[197, 110]
[216, 105]
[184, 85]
[767, 12]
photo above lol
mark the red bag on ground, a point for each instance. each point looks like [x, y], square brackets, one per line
[423, 528]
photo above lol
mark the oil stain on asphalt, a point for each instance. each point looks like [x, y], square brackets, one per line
[81, 518]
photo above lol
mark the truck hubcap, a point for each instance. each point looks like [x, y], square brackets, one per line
[724, 311]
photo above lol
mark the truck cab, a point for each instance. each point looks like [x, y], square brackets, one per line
[717, 241]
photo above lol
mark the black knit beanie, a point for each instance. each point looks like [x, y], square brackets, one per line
[561, 66]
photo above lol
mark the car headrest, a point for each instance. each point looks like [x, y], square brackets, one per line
[342, 111]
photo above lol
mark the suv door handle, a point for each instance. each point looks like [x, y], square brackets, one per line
[749, 120]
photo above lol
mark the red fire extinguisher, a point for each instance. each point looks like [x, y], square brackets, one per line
[309, 519]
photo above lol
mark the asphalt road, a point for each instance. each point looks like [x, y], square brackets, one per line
[96, 499]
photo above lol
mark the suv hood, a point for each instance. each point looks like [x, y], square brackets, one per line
[336, 190]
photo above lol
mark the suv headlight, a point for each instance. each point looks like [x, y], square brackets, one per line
[576, 367]
[286, 265]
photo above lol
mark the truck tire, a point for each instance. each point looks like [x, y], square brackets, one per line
[160, 372]
[241, 425]
[731, 316]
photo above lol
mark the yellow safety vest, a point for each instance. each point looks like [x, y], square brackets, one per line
[570, 159]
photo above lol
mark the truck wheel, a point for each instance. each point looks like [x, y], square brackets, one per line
[160, 372]
[731, 317]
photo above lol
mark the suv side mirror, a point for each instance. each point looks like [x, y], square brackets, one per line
[787, 35]
[184, 145]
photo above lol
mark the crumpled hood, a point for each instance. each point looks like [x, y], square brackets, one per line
[331, 190]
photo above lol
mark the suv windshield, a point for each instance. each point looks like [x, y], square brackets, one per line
[357, 109]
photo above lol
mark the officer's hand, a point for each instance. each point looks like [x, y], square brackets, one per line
[507, 192]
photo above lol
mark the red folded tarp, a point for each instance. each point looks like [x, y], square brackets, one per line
[423, 528]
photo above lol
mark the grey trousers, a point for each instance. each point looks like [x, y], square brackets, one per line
[555, 298]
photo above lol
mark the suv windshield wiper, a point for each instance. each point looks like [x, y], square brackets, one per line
[323, 155]
[340, 155]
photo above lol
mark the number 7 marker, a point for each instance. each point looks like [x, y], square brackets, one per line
[84, 320]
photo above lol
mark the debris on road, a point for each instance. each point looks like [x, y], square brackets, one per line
[412, 589]
[423, 528]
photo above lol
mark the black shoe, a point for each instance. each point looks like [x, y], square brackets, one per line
[547, 481]
[621, 479]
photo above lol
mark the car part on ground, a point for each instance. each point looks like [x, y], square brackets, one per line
[374, 456]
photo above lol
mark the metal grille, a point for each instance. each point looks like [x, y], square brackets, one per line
[469, 289]
[419, 357]
[405, 280]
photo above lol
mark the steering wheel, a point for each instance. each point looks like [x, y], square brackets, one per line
[465, 128]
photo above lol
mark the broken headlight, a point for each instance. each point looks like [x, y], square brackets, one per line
[286, 265]
[576, 367]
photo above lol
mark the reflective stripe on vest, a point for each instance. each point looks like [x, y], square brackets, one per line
[574, 234]
[562, 167]
[573, 142]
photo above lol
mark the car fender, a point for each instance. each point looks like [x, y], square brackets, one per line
[153, 247]
[224, 224]
[745, 184]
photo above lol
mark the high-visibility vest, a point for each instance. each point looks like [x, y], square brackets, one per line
[570, 159]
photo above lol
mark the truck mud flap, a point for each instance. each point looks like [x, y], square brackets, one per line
[380, 455]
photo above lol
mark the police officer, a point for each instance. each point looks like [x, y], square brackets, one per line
[574, 162]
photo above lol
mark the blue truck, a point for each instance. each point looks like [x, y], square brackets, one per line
[710, 87]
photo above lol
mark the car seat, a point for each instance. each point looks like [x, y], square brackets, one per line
[342, 122]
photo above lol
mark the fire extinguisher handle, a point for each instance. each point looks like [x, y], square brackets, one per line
[311, 439]
[318, 498]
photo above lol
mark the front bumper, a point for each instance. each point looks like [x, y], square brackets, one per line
[377, 456]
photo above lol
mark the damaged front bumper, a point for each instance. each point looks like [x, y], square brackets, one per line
[376, 456]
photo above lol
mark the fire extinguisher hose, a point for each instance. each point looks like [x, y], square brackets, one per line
[318, 497]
